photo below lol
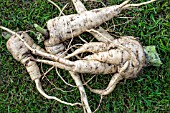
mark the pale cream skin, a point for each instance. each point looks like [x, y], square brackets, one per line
[68, 26]
[96, 60]
[65, 27]
[22, 54]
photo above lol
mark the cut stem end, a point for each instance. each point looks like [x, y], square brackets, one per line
[152, 57]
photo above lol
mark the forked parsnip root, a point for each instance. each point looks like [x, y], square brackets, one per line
[127, 67]
[91, 65]
[22, 54]
[95, 66]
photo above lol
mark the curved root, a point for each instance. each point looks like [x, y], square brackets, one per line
[112, 84]
[41, 91]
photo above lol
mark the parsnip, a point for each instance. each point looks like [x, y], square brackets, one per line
[65, 27]
[123, 57]
[95, 67]
[22, 54]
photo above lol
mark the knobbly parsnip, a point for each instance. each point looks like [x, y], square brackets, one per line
[135, 51]
[22, 54]
[117, 53]
[126, 53]
[131, 56]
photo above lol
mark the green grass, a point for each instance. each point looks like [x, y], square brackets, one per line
[150, 92]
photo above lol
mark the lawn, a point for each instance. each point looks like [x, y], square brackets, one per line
[150, 92]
